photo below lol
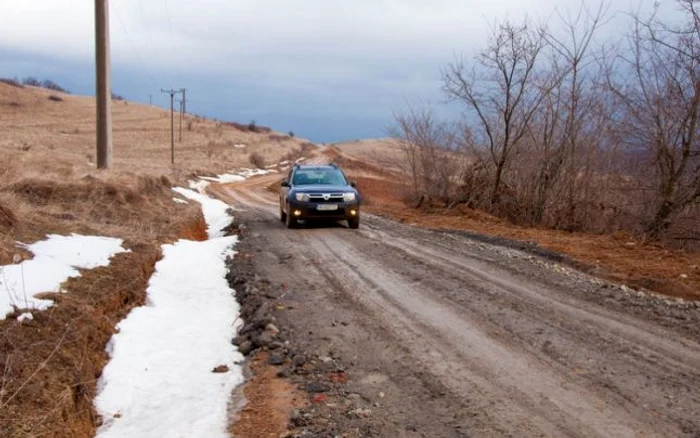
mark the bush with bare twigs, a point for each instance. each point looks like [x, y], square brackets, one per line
[567, 134]
[257, 160]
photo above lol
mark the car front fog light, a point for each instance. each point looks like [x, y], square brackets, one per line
[348, 197]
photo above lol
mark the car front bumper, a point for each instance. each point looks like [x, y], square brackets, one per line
[310, 210]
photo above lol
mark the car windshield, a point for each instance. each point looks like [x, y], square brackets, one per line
[327, 177]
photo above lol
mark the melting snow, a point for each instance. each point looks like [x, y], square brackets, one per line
[56, 259]
[200, 186]
[215, 211]
[26, 316]
[159, 381]
[237, 175]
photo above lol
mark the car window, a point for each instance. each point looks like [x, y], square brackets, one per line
[318, 177]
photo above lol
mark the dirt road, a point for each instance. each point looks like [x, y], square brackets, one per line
[449, 336]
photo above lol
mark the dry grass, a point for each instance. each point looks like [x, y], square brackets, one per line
[50, 365]
[34, 130]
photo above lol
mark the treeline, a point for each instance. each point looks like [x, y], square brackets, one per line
[562, 132]
[34, 82]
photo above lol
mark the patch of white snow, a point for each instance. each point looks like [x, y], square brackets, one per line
[200, 186]
[215, 211]
[159, 381]
[56, 259]
[26, 316]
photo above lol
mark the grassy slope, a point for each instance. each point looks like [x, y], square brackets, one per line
[48, 184]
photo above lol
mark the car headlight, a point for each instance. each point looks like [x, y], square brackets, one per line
[302, 197]
[349, 197]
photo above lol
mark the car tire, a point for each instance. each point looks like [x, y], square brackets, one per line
[283, 215]
[354, 223]
[290, 221]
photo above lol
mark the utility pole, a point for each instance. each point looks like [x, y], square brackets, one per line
[184, 100]
[150, 99]
[171, 92]
[182, 106]
[102, 92]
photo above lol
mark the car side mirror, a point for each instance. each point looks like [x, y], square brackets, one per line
[285, 184]
[353, 184]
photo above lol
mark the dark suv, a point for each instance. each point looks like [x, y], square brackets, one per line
[318, 192]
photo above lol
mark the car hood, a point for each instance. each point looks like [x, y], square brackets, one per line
[322, 188]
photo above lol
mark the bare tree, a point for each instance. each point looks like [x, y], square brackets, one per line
[571, 107]
[659, 99]
[428, 155]
[499, 92]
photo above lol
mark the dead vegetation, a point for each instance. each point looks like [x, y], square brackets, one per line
[565, 134]
[51, 364]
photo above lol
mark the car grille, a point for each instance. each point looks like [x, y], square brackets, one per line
[321, 197]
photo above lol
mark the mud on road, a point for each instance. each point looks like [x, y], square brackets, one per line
[440, 335]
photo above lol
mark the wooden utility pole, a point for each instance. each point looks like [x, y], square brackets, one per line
[182, 106]
[103, 92]
[171, 92]
[184, 100]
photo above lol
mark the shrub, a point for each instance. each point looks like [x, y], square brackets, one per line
[55, 98]
[278, 137]
[31, 81]
[12, 82]
[257, 160]
[51, 85]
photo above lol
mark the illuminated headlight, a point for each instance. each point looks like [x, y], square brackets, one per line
[348, 197]
[302, 197]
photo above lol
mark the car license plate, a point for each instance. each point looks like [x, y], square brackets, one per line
[327, 207]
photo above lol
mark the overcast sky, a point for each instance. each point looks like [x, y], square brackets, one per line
[329, 70]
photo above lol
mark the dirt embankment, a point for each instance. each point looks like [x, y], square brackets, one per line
[51, 363]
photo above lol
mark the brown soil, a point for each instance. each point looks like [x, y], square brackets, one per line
[269, 400]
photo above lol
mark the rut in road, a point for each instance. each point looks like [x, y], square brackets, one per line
[502, 345]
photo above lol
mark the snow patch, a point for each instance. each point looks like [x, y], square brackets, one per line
[235, 176]
[215, 211]
[239, 146]
[180, 201]
[56, 259]
[200, 186]
[26, 316]
[159, 381]
[223, 179]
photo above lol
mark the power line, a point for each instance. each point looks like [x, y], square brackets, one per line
[133, 45]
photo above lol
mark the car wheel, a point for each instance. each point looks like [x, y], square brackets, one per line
[290, 221]
[354, 223]
[283, 215]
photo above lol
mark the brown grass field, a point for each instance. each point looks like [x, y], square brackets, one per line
[49, 184]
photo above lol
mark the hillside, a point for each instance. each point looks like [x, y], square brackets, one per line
[49, 185]
[33, 127]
